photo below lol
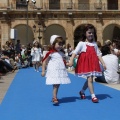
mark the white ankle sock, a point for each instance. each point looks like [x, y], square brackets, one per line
[93, 95]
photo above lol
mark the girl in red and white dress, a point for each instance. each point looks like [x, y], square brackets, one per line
[88, 60]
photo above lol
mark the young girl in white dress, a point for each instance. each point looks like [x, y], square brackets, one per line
[56, 71]
[36, 54]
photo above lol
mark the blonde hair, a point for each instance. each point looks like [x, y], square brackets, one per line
[108, 42]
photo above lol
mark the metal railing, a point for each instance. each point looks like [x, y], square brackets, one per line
[81, 6]
[21, 5]
[70, 6]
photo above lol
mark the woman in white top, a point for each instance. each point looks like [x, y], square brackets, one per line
[36, 54]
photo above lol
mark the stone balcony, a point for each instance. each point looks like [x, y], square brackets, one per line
[64, 6]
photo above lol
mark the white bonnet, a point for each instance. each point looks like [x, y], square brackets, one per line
[52, 38]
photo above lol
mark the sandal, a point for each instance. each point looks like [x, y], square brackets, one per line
[55, 100]
[95, 100]
[82, 95]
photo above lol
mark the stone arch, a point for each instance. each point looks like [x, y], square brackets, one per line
[77, 33]
[22, 34]
[53, 29]
[111, 31]
[111, 22]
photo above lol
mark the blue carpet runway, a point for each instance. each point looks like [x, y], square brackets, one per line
[28, 98]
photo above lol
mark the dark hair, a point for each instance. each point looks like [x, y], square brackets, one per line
[105, 50]
[86, 27]
[18, 40]
[99, 44]
[57, 40]
[38, 45]
[68, 45]
[117, 43]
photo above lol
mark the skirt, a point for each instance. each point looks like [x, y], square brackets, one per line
[88, 63]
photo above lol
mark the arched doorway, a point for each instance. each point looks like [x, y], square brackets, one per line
[111, 32]
[78, 33]
[54, 29]
[22, 34]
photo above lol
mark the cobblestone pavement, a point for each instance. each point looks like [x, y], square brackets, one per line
[6, 80]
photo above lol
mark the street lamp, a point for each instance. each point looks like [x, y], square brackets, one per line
[27, 2]
[40, 29]
[39, 26]
[34, 28]
[34, 1]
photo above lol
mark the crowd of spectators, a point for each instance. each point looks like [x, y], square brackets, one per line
[110, 53]
[14, 56]
[17, 56]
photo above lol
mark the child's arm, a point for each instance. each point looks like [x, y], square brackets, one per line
[44, 66]
[101, 60]
[99, 57]
[32, 52]
[71, 59]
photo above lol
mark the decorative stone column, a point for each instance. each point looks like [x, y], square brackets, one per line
[70, 34]
[5, 32]
[12, 4]
[99, 32]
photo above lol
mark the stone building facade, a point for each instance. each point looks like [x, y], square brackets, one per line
[40, 20]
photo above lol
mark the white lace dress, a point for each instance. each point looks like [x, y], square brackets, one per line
[36, 54]
[56, 70]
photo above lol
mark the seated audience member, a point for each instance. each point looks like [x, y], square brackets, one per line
[6, 67]
[110, 75]
[115, 49]
[116, 46]
[18, 60]
[29, 47]
[23, 48]
[110, 45]
[25, 59]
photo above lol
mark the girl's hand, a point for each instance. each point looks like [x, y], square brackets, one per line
[69, 64]
[43, 74]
